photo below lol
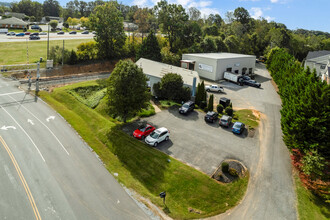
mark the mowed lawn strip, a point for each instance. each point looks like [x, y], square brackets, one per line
[15, 52]
[309, 205]
[143, 168]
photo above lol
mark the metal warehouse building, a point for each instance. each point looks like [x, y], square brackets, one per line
[156, 70]
[213, 65]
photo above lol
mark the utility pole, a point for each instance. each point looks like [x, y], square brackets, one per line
[27, 58]
[48, 44]
[37, 80]
[63, 54]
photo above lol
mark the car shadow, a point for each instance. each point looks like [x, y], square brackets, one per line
[174, 110]
[164, 146]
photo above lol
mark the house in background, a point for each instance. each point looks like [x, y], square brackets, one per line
[320, 61]
[44, 19]
[156, 70]
[15, 15]
[13, 22]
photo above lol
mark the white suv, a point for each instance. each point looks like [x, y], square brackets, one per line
[157, 136]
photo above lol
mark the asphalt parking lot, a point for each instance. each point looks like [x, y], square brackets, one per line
[197, 143]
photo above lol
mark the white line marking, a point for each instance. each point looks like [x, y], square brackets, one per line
[30, 121]
[42, 124]
[25, 133]
[6, 127]
[11, 93]
[50, 117]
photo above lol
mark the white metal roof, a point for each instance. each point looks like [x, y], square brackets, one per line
[220, 55]
[157, 69]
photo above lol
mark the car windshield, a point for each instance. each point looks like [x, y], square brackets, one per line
[210, 113]
[223, 120]
[236, 125]
[185, 106]
[154, 135]
[142, 128]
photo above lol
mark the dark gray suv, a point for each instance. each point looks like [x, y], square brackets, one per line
[187, 107]
[225, 121]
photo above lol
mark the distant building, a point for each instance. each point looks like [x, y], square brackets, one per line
[13, 22]
[156, 70]
[213, 65]
[130, 26]
[320, 61]
[44, 20]
[15, 14]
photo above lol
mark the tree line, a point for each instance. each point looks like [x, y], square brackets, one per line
[305, 118]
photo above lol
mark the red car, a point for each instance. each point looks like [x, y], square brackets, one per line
[27, 33]
[143, 131]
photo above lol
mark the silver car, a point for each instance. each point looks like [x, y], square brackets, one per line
[157, 136]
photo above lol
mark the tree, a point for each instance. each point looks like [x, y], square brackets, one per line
[53, 24]
[232, 44]
[198, 94]
[106, 20]
[141, 17]
[171, 86]
[219, 108]
[242, 15]
[221, 46]
[208, 45]
[172, 19]
[150, 48]
[52, 8]
[87, 51]
[84, 22]
[210, 105]
[127, 89]
[194, 14]
[169, 57]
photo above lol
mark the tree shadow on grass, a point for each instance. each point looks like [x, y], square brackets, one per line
[145, 164]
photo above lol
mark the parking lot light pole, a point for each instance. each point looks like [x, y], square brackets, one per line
[48, 44]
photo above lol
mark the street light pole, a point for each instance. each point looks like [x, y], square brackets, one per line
[48, 44]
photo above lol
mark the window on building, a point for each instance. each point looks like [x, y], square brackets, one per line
[229, 69]
[236, 71]
[244, 70]
[191, 66]
[322, 67]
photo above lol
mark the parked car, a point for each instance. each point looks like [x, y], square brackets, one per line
[245, 78]
[252, 83]
[11, 34]
[85, 32]
[35, 27]
[224, 102]
[211, 117]
[58, 29]
[157, 136]
[94, 32]
[34, 37]
[61, 32]
[42, 33]
[27, 33]
[143, 131]
[225, 120]
[20, 35]
[73, 32]
[34, 34]
[187, 107]
[214, 88]
[238, 128]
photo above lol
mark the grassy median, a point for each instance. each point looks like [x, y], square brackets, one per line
[190, 193]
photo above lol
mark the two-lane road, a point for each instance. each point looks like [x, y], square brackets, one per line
[47, 171]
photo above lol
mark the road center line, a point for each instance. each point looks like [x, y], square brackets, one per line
[24, 133]
[20, 174]
[42, 124]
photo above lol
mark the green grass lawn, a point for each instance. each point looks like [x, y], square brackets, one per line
[247, 117]
[309, 205]
[15, 52]
[143, 168]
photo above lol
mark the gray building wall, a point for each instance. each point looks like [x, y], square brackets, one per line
[320, 68]
[213, 69]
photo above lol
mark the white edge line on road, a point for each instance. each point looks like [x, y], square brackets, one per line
[25, 133]
[11, 93]
[42, 124]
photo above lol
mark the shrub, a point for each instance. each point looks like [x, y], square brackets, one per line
[233, 172]
[225, 167]
[210, 105]
[219, 108]
[185, 94]
[73, 58]
[156, 90]
[229, 111]
[206, 109]
[87, 51]
[203, 104]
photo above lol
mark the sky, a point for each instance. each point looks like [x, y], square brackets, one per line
[306, 14]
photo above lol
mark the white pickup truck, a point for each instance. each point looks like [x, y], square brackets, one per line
[214, 88]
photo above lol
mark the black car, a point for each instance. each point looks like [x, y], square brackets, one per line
[35, 27]
[224, 102]
[61, 32]
[34, 37]
[187, 107]
[252, 83]
[34, 34]
[73, 32]
[85, 32]
[211, 117]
